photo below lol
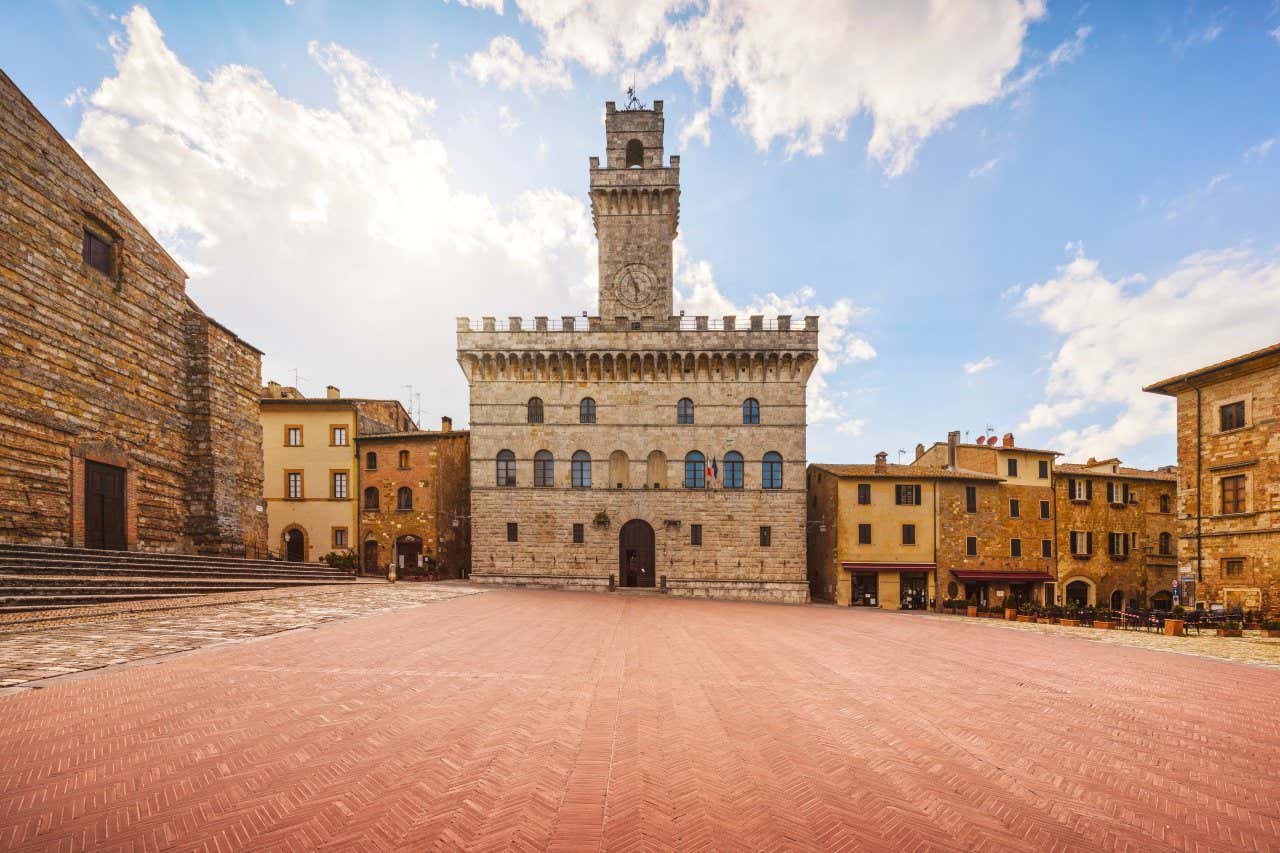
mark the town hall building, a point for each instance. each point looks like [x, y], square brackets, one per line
[639, 447]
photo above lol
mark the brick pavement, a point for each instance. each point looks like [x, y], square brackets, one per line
[532, 719]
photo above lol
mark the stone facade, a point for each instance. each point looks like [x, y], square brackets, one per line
[106, 364]
[1229, 529]
[430, 524]
[1123, 553]
[608, 389]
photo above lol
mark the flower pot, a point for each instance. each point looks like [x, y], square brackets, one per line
[1103, 624]
[1272, 634]
[1011, 613]
[971, 611]
[1026, 618]
[1070, 623]
[1173, 627]
[1230, 632]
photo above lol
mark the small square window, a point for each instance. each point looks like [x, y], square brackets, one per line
[338, 436]
[864, 534]
[695, 534]
[513, 532]
[1044, 469]
[1015, 547]
[1233, 568]
[97, 252]
[1233, 494]
[971, 546]
[766, 536]
[1013, 467]
[293, 436]
[1014, 506]
[339, 537]
[579, 534]
[1046, 547]
[1044, 509]
[339, 485]
[864, 493]
[1232, 415]
[293, 485]
[906, 495]
[908, 534]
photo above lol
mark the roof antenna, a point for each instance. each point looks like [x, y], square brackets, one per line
[633, 103]
[297, 378]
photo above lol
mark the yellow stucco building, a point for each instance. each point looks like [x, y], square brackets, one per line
[310, 471]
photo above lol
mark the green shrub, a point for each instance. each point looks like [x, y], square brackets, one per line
[340, 560]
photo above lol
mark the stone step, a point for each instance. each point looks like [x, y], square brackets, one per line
[78, 562]
[112, 555]
[64, 581]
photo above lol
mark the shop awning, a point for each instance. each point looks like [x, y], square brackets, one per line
[1007, 577]
[889, 567]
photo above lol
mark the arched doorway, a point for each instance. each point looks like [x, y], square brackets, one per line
[408, 552]
[1117, 600]
[295, 545]
[636, 554]
[371, 558]
[1078, 594]
[1162, 600]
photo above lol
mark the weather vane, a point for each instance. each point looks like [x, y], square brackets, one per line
[633, 103]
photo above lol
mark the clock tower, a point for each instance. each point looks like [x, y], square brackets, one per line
[635, 206]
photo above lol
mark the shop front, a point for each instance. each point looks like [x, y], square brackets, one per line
[892, 586]
[992, 587]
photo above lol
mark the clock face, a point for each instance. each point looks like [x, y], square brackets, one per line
[635, 285]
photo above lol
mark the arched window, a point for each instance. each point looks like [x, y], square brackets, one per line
[404, 498]
[751, 411]
[733, 470]
[587, 411]
[656, 470]
[1166, 544]
[506, 468]
[619, 470]
[1117, 600]
[635, 153]
[1164, 503]
[535, 410]
[544, 469]
[1078, 594]
[581, 469]
[371, 498]
[695, 470]
[771, 471]
[684, 411]
[371, 461]
[404, 459]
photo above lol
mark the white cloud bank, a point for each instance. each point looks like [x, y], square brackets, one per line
[1119, 334]
[794, 74]
[984, 363]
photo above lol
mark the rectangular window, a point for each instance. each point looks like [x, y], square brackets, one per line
[1046, 547]
[513, 532]
[908, 534]
[293, 436]
[1044, 469]
[339, 537]
[1233, 494]
[970, 498]
[1015, 547]
[1081, 543]
[339, 485]
[1118, 544]
[1013, 467]
[1014, 507]
[97, 252]
[1117, 493]
[293, 485]
[695, 534]
[1233, 568]
[766, 537]
[579, 534]
[864, 493]
[906, 495]
[1080, 490]
[338, 436]
[864, 534]
[971, 546]
[1044, 509]
[1232, 415]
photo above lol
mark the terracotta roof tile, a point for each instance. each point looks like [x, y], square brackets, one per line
[904, 472]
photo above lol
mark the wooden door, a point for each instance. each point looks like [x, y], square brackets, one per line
[294, 546]
[104, 506]
[371, 558]
[636, 554]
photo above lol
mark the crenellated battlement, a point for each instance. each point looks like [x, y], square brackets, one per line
[681, 323]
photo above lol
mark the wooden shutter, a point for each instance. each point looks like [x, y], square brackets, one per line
[1088, 490]
[1088, 542]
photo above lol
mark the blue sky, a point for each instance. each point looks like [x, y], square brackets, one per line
[1009, 214]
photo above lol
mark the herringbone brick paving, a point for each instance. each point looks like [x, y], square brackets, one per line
[534, 720]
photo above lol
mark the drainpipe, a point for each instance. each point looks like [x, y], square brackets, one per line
[1053, 497]
[1199, 489]
[937, 576]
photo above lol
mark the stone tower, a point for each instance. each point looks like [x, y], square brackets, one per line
[635, 206]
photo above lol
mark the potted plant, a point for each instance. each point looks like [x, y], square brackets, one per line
[1271, 627]
[1070, 619]
[971, 607]
[1103, 619]
[1173, 626]
[1055, 614]
[1026, 612]
[1010, 608]
[1230, 629]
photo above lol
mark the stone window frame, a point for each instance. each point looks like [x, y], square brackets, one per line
[94, 226]
[699, 478]
[1245, 401]
[1164, 546]
[371, 461]
[1046, 548]
[1119, 544]
[971, 506]
[302, 485]
[685, 412]
[587, 410]
[513, 531]
[971, 546]
[333, 435]
[1227, 563]
[1166, 504]
[376, 504]
[301, 435]
[403, 505]
[695, 535]
[505, 469]
[580, 469]
[535, 411]
[1220, 494]
[333, 537]
[1046, 509]
[909, 535]
[771, 471]
[579, 533]
[334, 474]
[544, 469]
[1015, 508]
[1015, 548]
[403, 460]
[864, 527]
[766, 536]
[750, 412]
[737, 480]
[1119, 493]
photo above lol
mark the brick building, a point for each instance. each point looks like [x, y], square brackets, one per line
[312, 478]
[638, 447]
[1117, 534]
[1229, 481]
[415, 497]
[128, 418]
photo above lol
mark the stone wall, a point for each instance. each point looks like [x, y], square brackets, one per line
[994, 527]
[93, 366]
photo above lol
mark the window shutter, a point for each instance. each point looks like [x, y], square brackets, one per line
[1111, 492]
[1088, 542]
[1088, 490]
[1073, 535]
[1126, 492]
[1071, 489]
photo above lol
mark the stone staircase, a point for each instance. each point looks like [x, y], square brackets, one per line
[41, 577]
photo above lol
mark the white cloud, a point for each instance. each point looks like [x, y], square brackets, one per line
[1259, 152]
[507, 65]
[335, 239]
[1275, 34]
[491, 5]
[840, 344]
[507, 123]
[1118, 334]
[984, 363]
[1216, 181]
[697, 127]
[798, 78]
[979, 171]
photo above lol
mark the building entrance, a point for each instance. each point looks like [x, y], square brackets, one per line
[636, 554]
[866, 590]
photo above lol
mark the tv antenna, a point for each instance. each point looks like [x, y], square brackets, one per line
[297, 379]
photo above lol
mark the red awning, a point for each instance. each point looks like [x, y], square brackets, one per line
[1007, 577]
[889, 567]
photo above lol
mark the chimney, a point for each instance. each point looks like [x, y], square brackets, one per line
[273, 390]
[919, 451]
[332, 392]
[1007, 441]
[446, 424]
[953, 441]
[882, 461]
